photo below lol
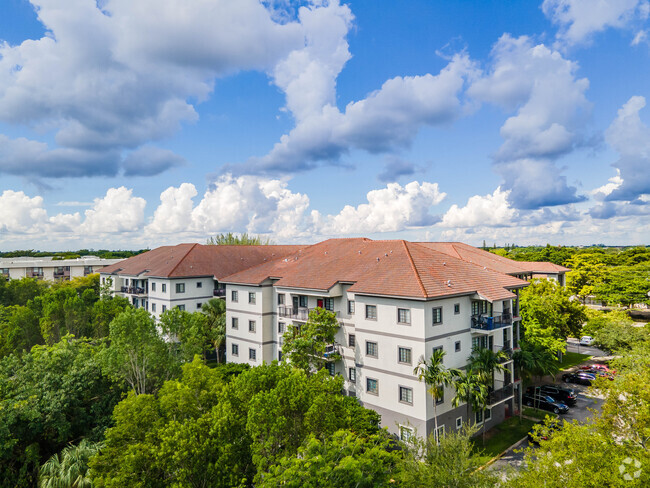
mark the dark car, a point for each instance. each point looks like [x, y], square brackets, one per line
[545, 402]
[561, 394]
[599, 372]
[541, 432]
[580, 378]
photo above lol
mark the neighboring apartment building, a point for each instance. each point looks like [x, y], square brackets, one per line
[396, 302]
[45, 268]
[184, 276]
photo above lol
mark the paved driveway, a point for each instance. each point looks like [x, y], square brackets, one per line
[581, 412]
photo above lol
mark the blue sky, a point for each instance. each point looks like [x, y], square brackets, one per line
[131, 124]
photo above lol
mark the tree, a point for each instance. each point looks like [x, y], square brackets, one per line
[69, 468]
[137, 354]
[305, 345]
[470, 389]
[19, 330]
[625, 285]
[215, 311]
[436, 376]
[587, 271]
[244, 239]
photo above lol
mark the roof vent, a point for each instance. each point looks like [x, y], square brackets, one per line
[377, 259]
[444, 263]
[359, 252]
[386, 254]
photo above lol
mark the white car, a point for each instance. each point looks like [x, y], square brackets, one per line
[586, 340]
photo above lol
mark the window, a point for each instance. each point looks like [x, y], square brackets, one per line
[371, 312]
[164, 287]
[456, 308]
[352, 375]
[153, 307]
[437, 315]
[350, 307]
[180, 287]
[479, 416]
[251, 297]
[302, 301]
[251, 326]
[441, 392]
[457, 346]
[406, 395]
[372, 386]
[199, 284]
[403, 316]
[252, 354]
[234, 296]
[404, 355]
[281, 299]
[488, 414]
[235, 323]
[279, 355]
[405, 433]
[371, 349]
[181, 307]
[459, 422]
[440, 433]
[235, 349]
[280, 327]
[352, 340]
[199, 305]
[329, 304]
[479, 307]
[330, 368]
[153, 286]
[164, 308]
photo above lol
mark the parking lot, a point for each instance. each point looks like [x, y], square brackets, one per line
[581, 412]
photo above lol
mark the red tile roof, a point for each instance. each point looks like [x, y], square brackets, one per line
[392, 268]
[197, 260]
[493, 261]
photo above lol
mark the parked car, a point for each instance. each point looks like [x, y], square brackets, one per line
[564, 395]
[586, 340]
[580, 378]
[541, 432]
[545, 402]
[598, 366]
[599, 372]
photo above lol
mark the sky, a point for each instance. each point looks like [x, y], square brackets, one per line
[127, 125]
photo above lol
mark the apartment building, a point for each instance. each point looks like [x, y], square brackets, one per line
[46, 268]
[396, 302]
[184, 276]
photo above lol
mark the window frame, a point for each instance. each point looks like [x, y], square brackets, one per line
[456, 308]
[407, 316]
[153, 307]
[459, 424]
[180, 288]
[352, 375]
[352, 340]
[371, 316]
[409, 393]
[164, 287]
[409, 351]
[199, 284]
[234, 349]
[403, 429]
[281, 298]
[457, 346]
[376, 348]
[252, 298]
[328, 304]
[436, 312]
[252, 354]
[376, 389]
[153, 286]
[281, 327]
[252, 326]
[351, 307]
[234, 296]
[234, 323]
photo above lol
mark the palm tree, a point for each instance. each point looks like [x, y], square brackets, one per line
[469, 387]
[436, 376]
[69, 468]
[215, 310]
[533, 360]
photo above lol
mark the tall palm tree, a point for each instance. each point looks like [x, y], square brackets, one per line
[469, 387]
[533, 360]
[436, 376]
[215, 310]
[69, 468]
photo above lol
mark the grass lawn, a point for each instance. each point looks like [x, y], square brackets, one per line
[538, 414]
[571, 359]
[501, 437]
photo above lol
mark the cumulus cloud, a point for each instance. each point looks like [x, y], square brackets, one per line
[551, 111]
[19, 213]
[630, 137]
[386, 119]
[389, 209]
[579, 20]
[150, 161]
[488, 210]
[118, 211]
[110, 76]
[395, 168]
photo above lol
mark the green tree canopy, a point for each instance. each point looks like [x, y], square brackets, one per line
[244, 239]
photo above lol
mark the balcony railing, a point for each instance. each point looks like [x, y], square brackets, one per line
[332, 352]
[219, 292]
[132, 290]
[297, 313]
[486, 322]
[501, 394]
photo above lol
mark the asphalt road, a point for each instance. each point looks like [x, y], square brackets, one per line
[581, 411]
[573, 345]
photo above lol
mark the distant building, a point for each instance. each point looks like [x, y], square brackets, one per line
[47, 268]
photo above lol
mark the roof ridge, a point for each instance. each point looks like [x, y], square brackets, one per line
[417, 274]
[181, 259]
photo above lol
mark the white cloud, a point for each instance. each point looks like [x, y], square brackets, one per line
[21, 214]
[174, 214]
[615, 183]
[579, 20]
[551, 114]
[117, 212]
[389, 209]
[386, 119]
[630, 137]
[488, 210]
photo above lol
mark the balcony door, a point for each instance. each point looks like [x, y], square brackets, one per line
[294, 300]
[319, 303]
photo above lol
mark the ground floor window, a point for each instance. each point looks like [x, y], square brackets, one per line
[405, 433]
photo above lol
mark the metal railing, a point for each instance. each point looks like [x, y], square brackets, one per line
[487, 322]
[297, 313]
[219, 292]
[496, 396]
[132, 290]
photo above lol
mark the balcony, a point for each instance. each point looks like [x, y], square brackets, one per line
[332, 352]
[132, 290]
[497, 396]
[295, 313]
[485, 323]
[219, 292]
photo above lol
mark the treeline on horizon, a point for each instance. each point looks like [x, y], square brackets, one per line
[100, 253]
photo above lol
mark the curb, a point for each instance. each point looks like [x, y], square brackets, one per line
[500, 455]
